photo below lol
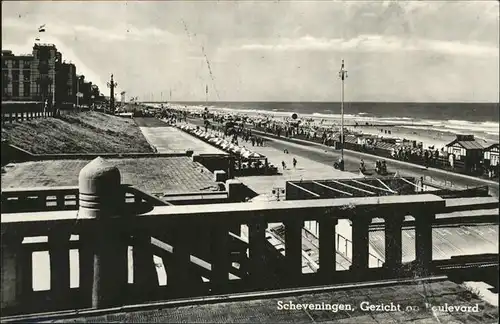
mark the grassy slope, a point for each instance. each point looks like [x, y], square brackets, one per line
[84, 132]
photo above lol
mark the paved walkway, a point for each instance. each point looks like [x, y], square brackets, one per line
[306, 169]
[168, 139]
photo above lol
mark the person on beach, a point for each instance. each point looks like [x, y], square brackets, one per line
[283, 165]
[294, 162]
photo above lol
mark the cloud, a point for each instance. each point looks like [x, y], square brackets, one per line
[124, 32]
[372, 43]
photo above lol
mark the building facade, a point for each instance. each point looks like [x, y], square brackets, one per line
[43, 76]
[17, 77]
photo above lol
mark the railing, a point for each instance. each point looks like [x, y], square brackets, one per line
[14, 112]
[439, 162]
[199, 253]
[62, 198]
[442, 183]
[347, 244]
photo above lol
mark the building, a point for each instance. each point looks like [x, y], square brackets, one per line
[466, 150]
[491, 159]
[46, 60]
[66, 84]
[17, 76]
[42, 76]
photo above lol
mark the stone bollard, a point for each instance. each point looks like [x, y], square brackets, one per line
[102, 197]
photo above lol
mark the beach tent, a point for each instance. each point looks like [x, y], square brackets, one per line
[468, 150]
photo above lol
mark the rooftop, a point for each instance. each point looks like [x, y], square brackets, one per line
[153, 175]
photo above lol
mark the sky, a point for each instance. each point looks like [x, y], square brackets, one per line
[414, 51]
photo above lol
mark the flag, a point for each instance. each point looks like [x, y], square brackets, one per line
[41, 29]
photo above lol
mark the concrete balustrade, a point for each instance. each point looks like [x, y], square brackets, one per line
[107, 225]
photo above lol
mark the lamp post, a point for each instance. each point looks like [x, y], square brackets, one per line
[78, 94]
[342, 76]
[111, 85]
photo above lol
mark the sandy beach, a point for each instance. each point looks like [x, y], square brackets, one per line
[436, 134]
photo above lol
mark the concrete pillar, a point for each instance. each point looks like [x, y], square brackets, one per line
[327, 247]
[235, 190]
[59, 265]
[220, 176]
[102, 197]
[393, 242]
[12, 271]
[423, 241]
[257, 253]
[178, 273]
[145, 275]
[219, 251]
[293, 249]
[360, 242]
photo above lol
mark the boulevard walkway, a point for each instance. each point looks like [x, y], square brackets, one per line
[168, 139]
[306, 169]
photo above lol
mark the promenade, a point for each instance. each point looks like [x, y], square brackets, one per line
[168, 139]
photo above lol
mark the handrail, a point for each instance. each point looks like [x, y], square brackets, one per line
[195, 230]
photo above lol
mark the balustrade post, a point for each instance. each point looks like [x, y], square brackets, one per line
[102, 197]
[220, 257]
[257, 253]
[14, 272]
[393, 242]
[179, 271]
[145, 275]
[293, 249]
[59, 241]
[360, 242]
[327, 246]
[22, 116]
[423, 241]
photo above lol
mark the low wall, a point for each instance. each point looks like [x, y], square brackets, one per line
[12, 153]
[215, 162]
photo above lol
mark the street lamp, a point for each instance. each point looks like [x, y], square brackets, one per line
[78, 94]
[111, 85]
[342, 76]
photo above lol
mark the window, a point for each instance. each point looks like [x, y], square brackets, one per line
[27, 76]
[15, 76]
[4, 64]
[27, 65]
[27, 89]
[15, 64]
[15, 90]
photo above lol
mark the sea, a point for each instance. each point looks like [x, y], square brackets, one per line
[480, 119]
